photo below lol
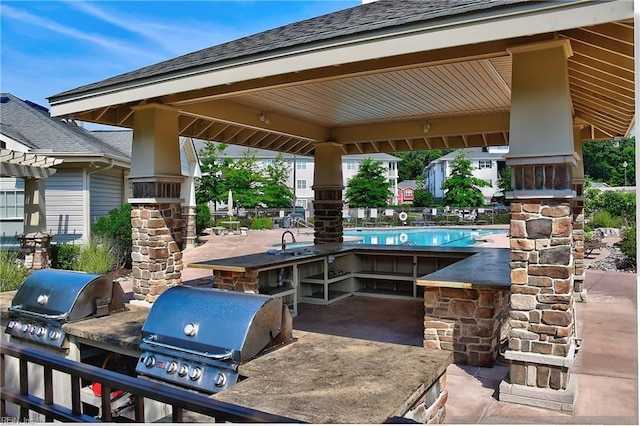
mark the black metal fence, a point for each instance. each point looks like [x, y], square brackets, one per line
[179, 399]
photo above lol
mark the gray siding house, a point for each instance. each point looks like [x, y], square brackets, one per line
[91, 178]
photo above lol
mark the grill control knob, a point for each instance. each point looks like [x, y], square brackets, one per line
[25, 328]
[220, 380]
[150, 361]
[190, 329]
[40, 332]
[32, 329]
[11, 324]
[172, 367]
[54, 335]
[195, 373]
[184, 369]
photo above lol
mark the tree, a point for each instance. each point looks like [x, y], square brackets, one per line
[422, 198]
[368, 187]
[462, 189]
[603, 161]
[275, 191]
[210, 186]
[244, 178]
[504, 184]
[414, 162]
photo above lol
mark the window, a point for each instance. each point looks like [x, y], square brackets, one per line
[484, 164]
[352, 165]
[409, 192]
[302, 203]
[12, 204]
[267, 163]
[301, 184]
[301, 165]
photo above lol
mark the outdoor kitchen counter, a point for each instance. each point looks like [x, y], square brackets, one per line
[331, 379]
[487, 268]
[121, 329]
[258, 261]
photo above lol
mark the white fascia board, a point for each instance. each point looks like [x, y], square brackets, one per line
[91, 158]
[554, 17]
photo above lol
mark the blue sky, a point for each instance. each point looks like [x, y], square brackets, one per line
[48, 47]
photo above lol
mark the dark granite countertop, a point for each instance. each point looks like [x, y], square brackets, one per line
[265, 260]
[486, 268]
[323, 378]
[493, 262]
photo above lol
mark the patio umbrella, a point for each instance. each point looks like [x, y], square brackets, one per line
[230, 204]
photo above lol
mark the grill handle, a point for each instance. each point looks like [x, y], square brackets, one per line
[37, 315]
[217, 357]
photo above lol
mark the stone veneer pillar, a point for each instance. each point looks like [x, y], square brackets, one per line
[327, 188]
[191, 236]
[542, 156]
[577, 212]
[36, 249]
[157, 223]
[156, 253]
[541, 339]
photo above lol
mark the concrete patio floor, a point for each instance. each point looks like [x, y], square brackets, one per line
[606, 364]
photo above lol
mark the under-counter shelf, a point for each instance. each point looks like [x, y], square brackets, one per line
[384, 275]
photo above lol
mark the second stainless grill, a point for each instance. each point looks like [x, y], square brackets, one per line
[196, 337]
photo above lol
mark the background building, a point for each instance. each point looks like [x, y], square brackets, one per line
[302, 169]
[487, 164]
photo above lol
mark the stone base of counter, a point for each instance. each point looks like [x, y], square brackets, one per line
[468, 322]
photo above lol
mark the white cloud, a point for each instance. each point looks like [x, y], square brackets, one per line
[109, 43]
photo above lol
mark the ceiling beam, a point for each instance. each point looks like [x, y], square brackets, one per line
[421, 128]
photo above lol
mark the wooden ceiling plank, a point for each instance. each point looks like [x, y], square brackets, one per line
[591, 69]
[595, 40]
[620, 95]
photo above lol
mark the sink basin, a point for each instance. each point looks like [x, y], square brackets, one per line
[296, 252]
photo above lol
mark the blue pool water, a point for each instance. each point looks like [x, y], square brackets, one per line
[433, 237]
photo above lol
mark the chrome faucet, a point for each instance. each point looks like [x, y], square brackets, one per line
[284, 244]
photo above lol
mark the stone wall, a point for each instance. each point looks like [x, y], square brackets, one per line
[36, 249]
[191, 236]
[327, 214]
[246, 282]
[430, 408]
[468, 322]
[156, 255]
[542, 277]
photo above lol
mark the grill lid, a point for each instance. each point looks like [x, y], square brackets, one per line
[217, 324]
[64, 296]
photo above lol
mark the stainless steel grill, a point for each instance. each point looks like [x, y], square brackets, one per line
[48, 298]
[196, 338]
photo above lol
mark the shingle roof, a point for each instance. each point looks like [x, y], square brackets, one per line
[407, 184]
[31, 125]
[366, 18]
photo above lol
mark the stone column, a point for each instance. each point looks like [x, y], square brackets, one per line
[35, 242]
[327, 187]
[577, 212]
[542, 156]
[156, 216]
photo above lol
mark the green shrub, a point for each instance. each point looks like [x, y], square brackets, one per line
[97, 256]
[262, 223]
[604, 219]
[203, 218]
[12, 271]
[63, 256]
[116, 227]
[628, 244]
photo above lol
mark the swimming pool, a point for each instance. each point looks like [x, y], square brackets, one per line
[433, 237]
